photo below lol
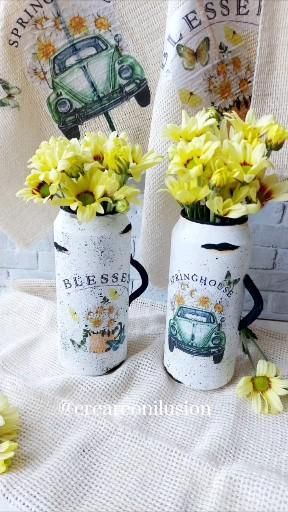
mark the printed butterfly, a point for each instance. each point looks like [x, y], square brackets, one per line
[191, 57]
[74, 315]
[232, 36]
[189, 98]
[11, 91]
[228, 281]
[114, 294]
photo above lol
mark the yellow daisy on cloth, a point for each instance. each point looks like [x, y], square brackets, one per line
[264, 389]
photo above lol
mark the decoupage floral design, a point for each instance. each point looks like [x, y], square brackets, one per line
[211, 59]
[103, 331]
[217, 301]
[229, 83]
[193, 297]
[49, 32]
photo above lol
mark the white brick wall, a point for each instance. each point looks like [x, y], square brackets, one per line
[269, 264]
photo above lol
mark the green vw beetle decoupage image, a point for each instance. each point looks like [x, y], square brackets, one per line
[91, 76]
[197, 332]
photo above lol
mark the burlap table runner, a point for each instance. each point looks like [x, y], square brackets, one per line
[230, 460]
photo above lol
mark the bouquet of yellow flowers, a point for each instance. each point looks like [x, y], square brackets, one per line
[90, 177]
[218, 164]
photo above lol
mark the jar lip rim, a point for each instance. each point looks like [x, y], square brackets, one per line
[67, 209]
[225, 222]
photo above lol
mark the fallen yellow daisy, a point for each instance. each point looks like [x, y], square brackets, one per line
[264, 389]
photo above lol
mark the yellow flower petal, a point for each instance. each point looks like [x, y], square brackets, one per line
[266, 368]
[244, 387]
[274, 401]
[256, 402]
[280, 386]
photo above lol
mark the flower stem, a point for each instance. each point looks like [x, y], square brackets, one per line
[260, 350]
[249, 354]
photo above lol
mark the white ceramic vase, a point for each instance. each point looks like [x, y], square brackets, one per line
[92, 284]
[207, 277]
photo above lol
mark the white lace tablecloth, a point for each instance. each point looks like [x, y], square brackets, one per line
[232, 460]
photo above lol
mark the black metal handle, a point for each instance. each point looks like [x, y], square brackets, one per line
[258, 303]
[144, 278]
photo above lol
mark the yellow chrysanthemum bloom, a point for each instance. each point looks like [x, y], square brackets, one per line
[7, 452]
[276, 136]
[142, 162]
[72, 160]
[235, 207]
[186, 192]
[124, 196]
[219, 175]
[117, 153]
[86, 194]
[39, 187]
[252, 128]
[264, 389]
[126, 192]
[92, 146]
[191, 126]
[48, 154]
[57, 155]
[9, 420]
[192, 155]
[244, 160]
[272, 189]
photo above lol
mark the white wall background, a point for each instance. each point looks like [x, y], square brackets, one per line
[269, 265]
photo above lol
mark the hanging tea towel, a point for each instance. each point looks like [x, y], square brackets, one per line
[59, 75]
[76, 454]
[270, 88]
[209, 59]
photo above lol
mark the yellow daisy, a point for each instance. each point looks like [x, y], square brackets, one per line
[264, 389]
[85, 195]
[7, 452]
[9, 420]
[39, 188]
[190, 127]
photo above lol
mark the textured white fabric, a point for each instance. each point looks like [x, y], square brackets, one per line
[233, 460]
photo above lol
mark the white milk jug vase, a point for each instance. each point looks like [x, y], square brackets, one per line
[207, 278]
[92, 284]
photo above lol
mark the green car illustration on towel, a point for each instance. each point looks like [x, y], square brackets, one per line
[91, 76]
[197, 332]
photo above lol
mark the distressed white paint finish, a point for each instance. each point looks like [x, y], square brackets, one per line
[211, 303]
[92, 279]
